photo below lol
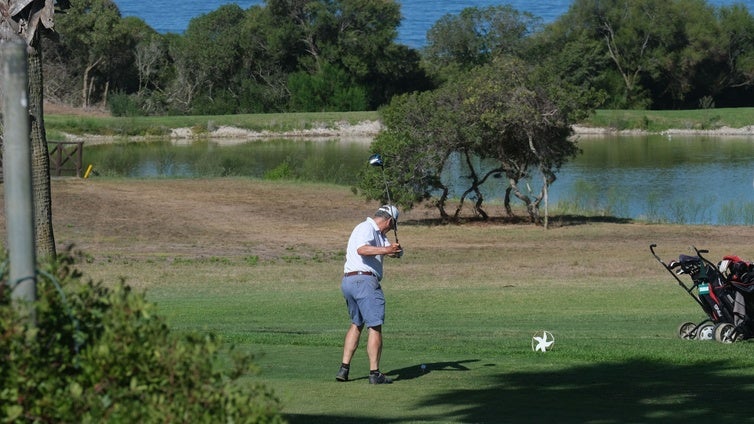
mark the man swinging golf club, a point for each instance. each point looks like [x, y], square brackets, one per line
[362, 274]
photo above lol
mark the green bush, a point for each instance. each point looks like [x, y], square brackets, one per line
[122, 104]
[284, 171]
[99, 354]
[328, 90]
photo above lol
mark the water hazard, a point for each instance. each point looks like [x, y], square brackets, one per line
[690, 180]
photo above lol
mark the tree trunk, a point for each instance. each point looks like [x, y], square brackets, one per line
[40, 158]
[104, 96]
[86, 90]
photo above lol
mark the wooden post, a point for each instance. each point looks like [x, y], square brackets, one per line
[19, 212]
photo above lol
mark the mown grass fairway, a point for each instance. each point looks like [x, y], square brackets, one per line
[259, 263]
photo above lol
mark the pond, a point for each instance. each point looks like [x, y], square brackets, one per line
[680, 179]
[331, 161]
[687, 180]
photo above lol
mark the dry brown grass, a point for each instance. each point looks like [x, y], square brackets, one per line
[136, 227]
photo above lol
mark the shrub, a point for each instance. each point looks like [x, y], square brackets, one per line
[284, 171]
[122, 104]
[328, 90]
[99, 354]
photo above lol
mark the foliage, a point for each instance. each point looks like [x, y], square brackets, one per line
[656, 54]
[122, 104]
[95, 48]
[314, 55]
[99, 354]
[458, 43]
[507, 113]
[284, 56]
[329, 89]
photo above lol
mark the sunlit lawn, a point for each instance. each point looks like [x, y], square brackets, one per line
[466, 303]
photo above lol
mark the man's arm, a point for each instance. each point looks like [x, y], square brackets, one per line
[369, 250]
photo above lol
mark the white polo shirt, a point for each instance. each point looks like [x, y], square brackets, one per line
[366, 233]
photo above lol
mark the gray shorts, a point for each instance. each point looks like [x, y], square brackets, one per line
[364, 299]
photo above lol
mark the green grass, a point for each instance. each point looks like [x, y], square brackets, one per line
[661, 120]
[654, 121]
[470, 320]
[161, 125]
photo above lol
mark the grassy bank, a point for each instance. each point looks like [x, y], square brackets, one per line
[259, 263]
[653, 121]
[161, 125]
[661, 120]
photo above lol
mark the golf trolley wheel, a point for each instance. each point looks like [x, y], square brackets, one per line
[726, 333]
[687, 331]
[705, 331]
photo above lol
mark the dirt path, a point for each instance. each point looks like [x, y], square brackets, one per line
[241, 217]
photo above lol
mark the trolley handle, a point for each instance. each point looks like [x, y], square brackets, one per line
[699, 253]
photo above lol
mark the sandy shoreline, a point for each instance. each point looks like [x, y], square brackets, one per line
[718, 132]
[366, 131]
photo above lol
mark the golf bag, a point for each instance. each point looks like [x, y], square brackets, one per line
[713, 288]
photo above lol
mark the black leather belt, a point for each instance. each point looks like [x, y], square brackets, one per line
[350, 274]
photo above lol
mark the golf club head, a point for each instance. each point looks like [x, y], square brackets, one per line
[376, 160]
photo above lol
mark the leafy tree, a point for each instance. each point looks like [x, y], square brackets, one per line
[505, 118]
[355, 36]
[422, 130]
[458, 43]
[653, 53]
[210, 57]
[526, 125]
[97, 49]
[737, 38]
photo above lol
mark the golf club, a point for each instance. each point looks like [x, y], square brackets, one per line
[376, 160]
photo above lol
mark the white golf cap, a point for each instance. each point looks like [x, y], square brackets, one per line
[390, 210]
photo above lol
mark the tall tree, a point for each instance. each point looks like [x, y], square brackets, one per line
[737, 37]
[356, 36]
[98, 49]
[655, 53]
[27, 19]
[457, 43]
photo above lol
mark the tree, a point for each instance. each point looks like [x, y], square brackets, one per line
[654, 53]
[212, 57]
[97, 49]
[527, 123]
[356, 37]
[737, 38]
[28, 19]
[458, 43]
[422, 131]
[507, 118]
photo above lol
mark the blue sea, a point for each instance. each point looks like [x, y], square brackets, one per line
[418, 15]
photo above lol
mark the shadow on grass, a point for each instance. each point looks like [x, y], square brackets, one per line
[635, 391]
[416, 371]
[553, 221]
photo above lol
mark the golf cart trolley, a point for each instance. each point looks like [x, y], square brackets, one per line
[724, 291]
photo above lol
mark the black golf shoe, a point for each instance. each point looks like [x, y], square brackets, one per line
[379, 378]
[342, 374]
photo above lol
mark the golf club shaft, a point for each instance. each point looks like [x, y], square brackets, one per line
[389, 202]
[387, 189]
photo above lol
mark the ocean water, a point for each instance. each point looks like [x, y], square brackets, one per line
[418, 15]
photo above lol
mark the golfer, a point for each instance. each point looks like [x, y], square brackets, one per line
[361, 288]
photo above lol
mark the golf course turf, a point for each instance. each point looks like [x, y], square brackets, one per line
[259, 263]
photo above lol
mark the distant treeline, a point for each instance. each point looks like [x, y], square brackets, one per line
[342, 55]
